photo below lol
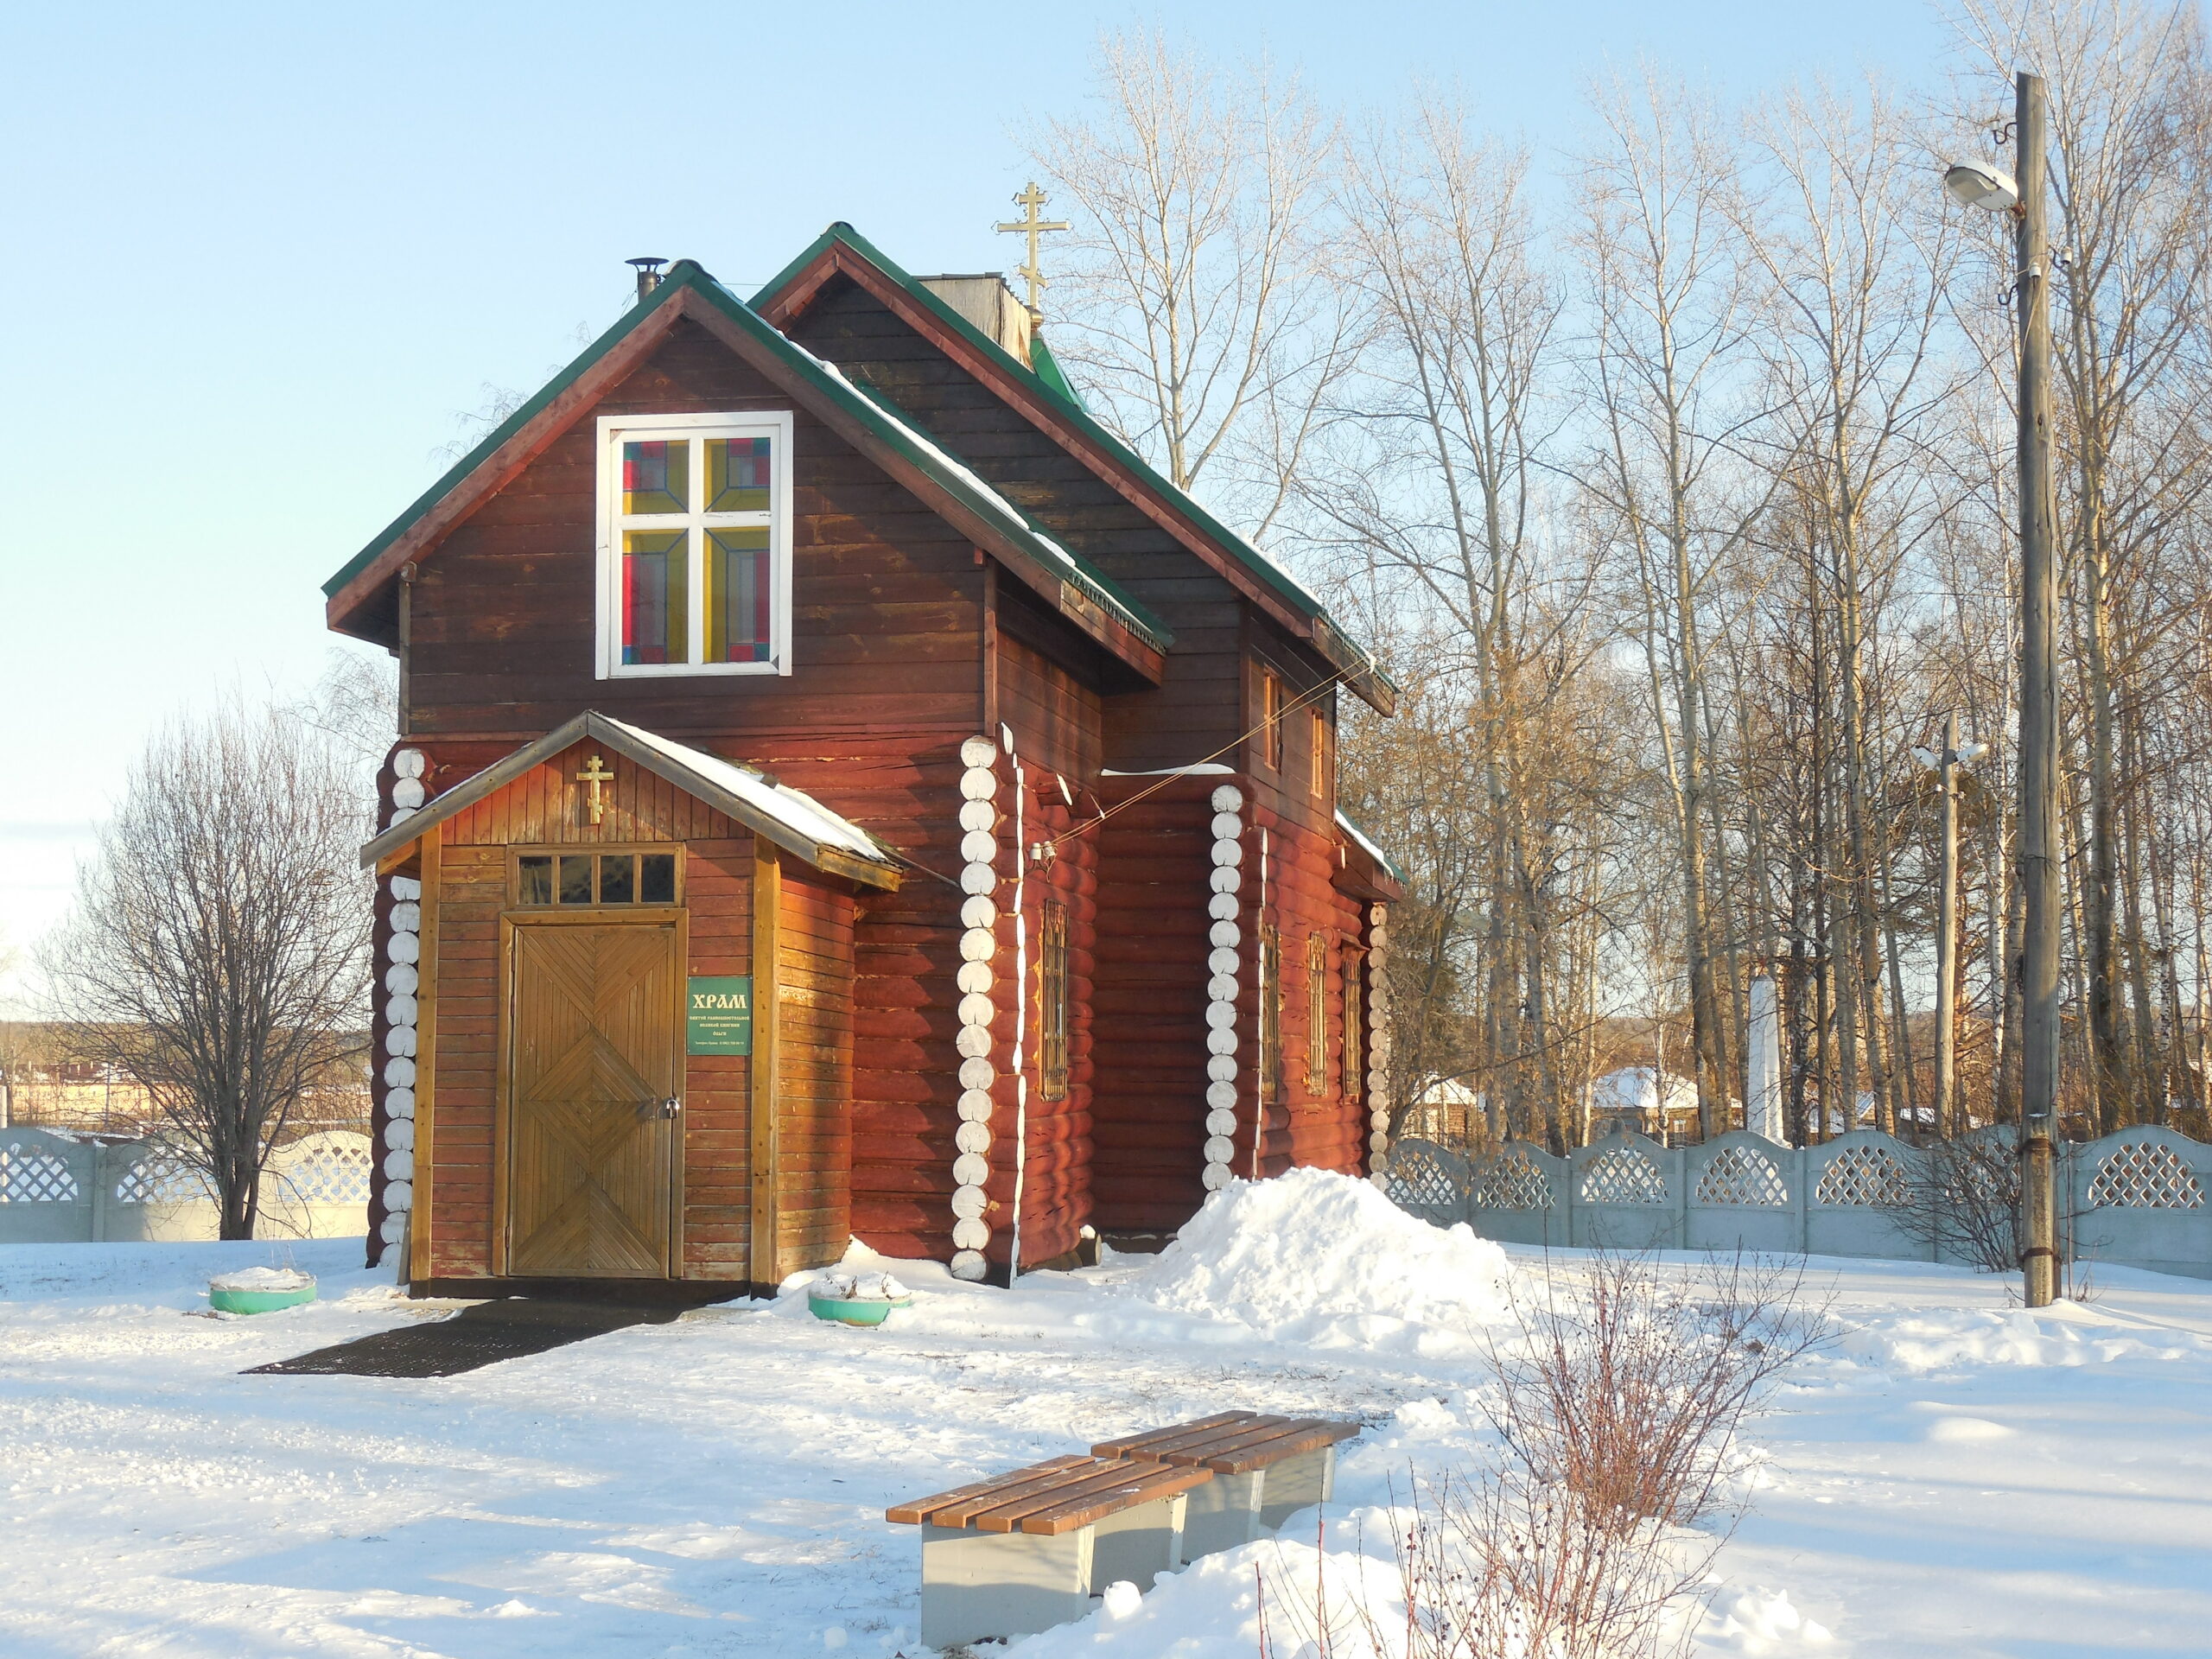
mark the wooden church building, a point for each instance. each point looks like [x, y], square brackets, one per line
[843, 791]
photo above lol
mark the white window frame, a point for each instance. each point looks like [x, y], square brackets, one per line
[613, 431]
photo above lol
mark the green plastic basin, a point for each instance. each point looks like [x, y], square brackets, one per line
[258, 1301]
[856, 1312]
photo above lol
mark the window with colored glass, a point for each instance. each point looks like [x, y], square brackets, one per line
[695, 574]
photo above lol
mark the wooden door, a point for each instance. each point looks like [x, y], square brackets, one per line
[594, 1053]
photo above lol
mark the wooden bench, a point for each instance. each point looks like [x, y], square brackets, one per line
[1021, 1553]
[1265, 1469]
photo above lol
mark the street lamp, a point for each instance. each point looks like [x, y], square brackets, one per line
[1955, 755]
[1979, 185]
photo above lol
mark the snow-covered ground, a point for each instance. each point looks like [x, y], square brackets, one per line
[1955, 1477]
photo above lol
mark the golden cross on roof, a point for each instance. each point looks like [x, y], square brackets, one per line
[595, 773]
[1031, 226]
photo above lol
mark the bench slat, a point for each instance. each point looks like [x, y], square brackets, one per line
[1130, 1445]
[1105, 1475]
[1159, 1480]
[917, 1511]
[1291, 1443]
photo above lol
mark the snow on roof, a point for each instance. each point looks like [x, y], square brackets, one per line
[1019, 521]
[793, 808]
[1360, 838]
[1196, 769]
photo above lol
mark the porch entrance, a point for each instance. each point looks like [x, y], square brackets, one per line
[593, 1066]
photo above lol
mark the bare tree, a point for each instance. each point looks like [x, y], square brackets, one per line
[1192, 293]
[218, 948]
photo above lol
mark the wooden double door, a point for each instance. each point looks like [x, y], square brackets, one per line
[594, 1080]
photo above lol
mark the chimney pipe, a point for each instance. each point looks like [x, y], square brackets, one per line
[648, 274]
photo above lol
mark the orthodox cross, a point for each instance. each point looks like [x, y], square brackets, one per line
[1031, 226]
[595, 773]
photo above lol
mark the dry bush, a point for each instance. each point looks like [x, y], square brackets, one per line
[1616, 1398]
[1965, 1203]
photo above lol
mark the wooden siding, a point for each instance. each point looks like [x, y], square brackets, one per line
[814, 1062]
[1148, 1004]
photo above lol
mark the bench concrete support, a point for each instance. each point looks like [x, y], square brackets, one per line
[1296, 1483]
[1224, 1514]
[980, 1584]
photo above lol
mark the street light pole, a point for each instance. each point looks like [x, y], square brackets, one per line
[1946, 938]
[2039, 865]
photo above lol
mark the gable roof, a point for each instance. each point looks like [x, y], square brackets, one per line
[790, 817]
[1085, 595]
[1044, 395]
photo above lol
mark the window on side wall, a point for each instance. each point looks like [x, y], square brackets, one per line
[1271, 718]
[695, 544]
[1317, 1015]
[1323, 757]
[1052, 1001]
[1270, 1014]
[1353, 1045]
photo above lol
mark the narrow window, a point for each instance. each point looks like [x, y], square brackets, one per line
[534, 880]
[1270, 1014]
[575, 880]
[695, 574]
[1317, 1014]
[1052, 1000]
[1352, 1059]
[1323, 756]
[1271, 718]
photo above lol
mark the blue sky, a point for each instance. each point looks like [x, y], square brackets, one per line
[261, 258]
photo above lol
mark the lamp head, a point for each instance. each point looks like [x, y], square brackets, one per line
[1977, 184]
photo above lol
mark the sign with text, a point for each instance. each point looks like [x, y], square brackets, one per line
[718, 1015]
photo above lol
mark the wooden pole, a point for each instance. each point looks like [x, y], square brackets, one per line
[2038, 863]
[1947, 939]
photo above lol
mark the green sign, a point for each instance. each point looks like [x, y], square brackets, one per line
[718, 1015]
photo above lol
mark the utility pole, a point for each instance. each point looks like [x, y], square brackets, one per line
[2038, 873]
[1947, 939]
[1978, 185]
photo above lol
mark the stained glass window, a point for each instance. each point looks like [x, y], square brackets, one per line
[738, 588]
[737, 474]
[698, 538]
[657, 477]
[656, 571]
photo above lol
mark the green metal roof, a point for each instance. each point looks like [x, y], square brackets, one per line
[826, 379]
[1055, 382]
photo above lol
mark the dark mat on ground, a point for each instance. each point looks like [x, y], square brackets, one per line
[481, 1334]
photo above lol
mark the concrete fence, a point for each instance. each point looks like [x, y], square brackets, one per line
[2136, 1198]
[59, 1189]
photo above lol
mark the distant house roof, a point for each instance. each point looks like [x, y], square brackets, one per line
[842, 248]
[1080, 590]
[791, 818]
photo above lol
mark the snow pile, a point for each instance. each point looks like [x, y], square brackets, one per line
[1759, 1621]
[1321, 1258]
[843, 1286]
[262, 1278]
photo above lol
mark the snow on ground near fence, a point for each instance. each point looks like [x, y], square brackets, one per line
[1957, 1476]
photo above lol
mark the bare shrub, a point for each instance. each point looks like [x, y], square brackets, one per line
[1617, 1396]
[1965, 1203]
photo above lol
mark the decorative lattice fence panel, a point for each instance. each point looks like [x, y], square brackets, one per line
[162, 1178]
[1623, 1175]
[1417, 1180]
[1512, 1181]
[30, 1176]
[2140, 1175]
[1740, 1175]
[1864, 1175]
[328, 1169]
